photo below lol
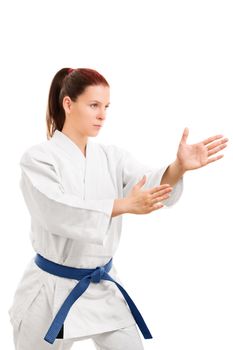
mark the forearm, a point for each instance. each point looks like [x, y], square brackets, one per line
[173, 174]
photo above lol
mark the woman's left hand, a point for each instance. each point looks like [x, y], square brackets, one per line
[197, 155]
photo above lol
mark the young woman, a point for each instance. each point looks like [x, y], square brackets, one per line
[76, 191]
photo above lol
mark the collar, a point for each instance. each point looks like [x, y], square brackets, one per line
[69, 146]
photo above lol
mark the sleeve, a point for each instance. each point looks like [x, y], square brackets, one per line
[60, 213]
[133, 171]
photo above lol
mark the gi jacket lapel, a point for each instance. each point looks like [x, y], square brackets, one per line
[93, 168]
[98, 176]
[69, 146]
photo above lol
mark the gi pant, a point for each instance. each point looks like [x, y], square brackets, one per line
[30, 333]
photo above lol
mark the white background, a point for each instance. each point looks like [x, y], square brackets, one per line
[169, 65]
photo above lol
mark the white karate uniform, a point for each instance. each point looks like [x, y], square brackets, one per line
[70, 199]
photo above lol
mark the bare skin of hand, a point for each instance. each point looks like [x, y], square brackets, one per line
[197, 155]
[145, 201]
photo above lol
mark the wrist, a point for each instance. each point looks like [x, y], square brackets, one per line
[125, 205]
[121, 206]
[179, 167]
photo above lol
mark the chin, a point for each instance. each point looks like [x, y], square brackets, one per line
[93, 134]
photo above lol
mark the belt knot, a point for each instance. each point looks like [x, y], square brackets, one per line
[85, 277]
[97, 275]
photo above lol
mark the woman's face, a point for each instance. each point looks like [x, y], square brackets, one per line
[88, 110]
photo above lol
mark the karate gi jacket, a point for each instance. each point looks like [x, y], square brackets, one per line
[70, 199]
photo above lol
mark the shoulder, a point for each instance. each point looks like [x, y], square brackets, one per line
[40, 151]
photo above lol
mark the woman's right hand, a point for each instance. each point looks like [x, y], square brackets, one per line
[145, 201]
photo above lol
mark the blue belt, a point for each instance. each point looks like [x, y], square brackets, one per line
[85, 277]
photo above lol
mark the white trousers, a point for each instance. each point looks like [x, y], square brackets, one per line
[120, 339]
[30, 333]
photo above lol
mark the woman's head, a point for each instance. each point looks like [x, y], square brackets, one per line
[78, 99]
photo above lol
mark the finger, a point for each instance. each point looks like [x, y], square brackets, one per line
[214, 144]
[157, 188]
[211, 139]
[161, 193]
[185, 135]
[157, 206]
[161, 198]
[210, 160]
[216, 149]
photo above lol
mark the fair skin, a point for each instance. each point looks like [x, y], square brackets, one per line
[195, 156]
[84, 113]
[90, 109]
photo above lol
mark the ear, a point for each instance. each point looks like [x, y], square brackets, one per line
[67, 104]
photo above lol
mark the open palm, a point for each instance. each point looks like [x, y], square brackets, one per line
[198, 155]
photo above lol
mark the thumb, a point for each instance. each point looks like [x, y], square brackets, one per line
[141, 182]
[185, 135]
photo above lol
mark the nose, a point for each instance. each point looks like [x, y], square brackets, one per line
[102, 115]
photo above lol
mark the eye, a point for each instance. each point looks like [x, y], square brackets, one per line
[94, 104]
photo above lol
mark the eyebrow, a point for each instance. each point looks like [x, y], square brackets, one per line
[99, 102]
